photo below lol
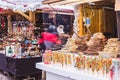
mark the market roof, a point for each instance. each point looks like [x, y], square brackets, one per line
[27, 5]
[22, 5]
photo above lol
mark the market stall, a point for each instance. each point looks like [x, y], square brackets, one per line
[18, 46]
[18, 56]
[85, 56]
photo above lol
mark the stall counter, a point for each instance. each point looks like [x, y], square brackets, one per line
[20, 67]
[53, 72]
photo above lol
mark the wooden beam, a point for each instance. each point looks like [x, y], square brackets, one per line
[50, 1]
[6, 12]
[64, 2]
[30, 17]
[65, 13]
[23, 14]
[80, 1]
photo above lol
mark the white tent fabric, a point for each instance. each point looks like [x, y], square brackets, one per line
[32, 5]
[28, 5]
[22, 5]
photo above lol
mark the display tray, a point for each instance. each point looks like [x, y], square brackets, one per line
[54, 49]
[90, 53]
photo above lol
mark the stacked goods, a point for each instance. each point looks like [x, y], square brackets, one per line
[95, 44]
[111, 49]
[81, 43]
[78, 44]
[112, 45]
[70, 45]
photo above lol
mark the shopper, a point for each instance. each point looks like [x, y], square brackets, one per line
[49, 38]
[52, 27]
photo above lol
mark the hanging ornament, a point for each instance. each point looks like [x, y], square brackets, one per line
[0, 20]
[2, 23]
[19, 27]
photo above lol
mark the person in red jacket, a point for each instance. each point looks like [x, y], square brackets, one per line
[49, 38]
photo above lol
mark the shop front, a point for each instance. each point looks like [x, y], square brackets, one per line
[20, 24]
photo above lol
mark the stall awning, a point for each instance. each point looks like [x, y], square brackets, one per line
[22, 5]
[28, 5]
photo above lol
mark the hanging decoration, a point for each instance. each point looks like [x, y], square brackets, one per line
[2, 22]
[76, 24]
[87, 18]
[22, 27]
[3, 25]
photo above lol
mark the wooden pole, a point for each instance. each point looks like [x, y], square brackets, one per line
[34, 17]
[118, 24]
[54, 19]
[80, 21]
[10, 31]
[104, 20]
[31, 16]
[71, 25]
[100, 20]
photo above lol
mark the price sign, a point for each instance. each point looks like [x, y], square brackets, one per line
[87, 22]
[9, 51]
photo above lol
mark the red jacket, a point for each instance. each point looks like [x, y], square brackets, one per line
[46, 36]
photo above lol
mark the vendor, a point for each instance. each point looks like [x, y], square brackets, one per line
[60, 29]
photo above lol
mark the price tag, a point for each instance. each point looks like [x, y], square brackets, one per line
[87, 22]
